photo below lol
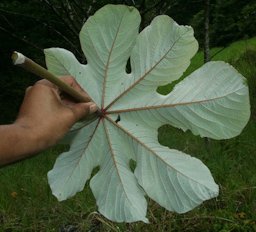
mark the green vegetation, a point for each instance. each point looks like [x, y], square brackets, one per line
[26, 202]
[29, 26]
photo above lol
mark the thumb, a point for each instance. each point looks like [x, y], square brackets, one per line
[81, 110]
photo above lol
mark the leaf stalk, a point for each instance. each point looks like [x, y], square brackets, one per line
[31, 66]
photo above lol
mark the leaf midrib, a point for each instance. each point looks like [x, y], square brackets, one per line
[171, 104]
[115, 163]
[108, 62]
[82, 153]
[152, 151]
[146, 73]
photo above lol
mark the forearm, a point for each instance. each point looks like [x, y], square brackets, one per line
[44, 118]
[17, 142]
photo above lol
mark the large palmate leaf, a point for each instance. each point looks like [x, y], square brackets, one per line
[211, 102]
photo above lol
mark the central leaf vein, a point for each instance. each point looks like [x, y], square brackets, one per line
[108, 62]
[83, 152]
[114, 160]
[170, 105]
[151, 151]
[147, 72]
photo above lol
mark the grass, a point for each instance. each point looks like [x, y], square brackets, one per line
[26, 202]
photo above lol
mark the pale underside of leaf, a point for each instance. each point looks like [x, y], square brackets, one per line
[119, 197]
[73, 168]
[62, 62]
[161, 54]
[175, 180]
[107, 43]
[206, 103]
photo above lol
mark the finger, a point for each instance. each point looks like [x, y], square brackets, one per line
[83, 109]
[47, 83]
[72, 82]
[50, 85]
[68, 80]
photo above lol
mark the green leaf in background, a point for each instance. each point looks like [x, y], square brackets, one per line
[212, 102]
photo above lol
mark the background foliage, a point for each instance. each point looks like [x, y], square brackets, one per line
[30, 26]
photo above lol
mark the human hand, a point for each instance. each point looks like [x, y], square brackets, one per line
[48, 114]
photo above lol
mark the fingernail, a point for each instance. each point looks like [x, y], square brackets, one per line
[93, 108]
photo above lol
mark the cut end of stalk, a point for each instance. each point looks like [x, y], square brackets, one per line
[18, 58]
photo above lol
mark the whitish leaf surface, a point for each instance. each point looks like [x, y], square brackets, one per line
[211, 102]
